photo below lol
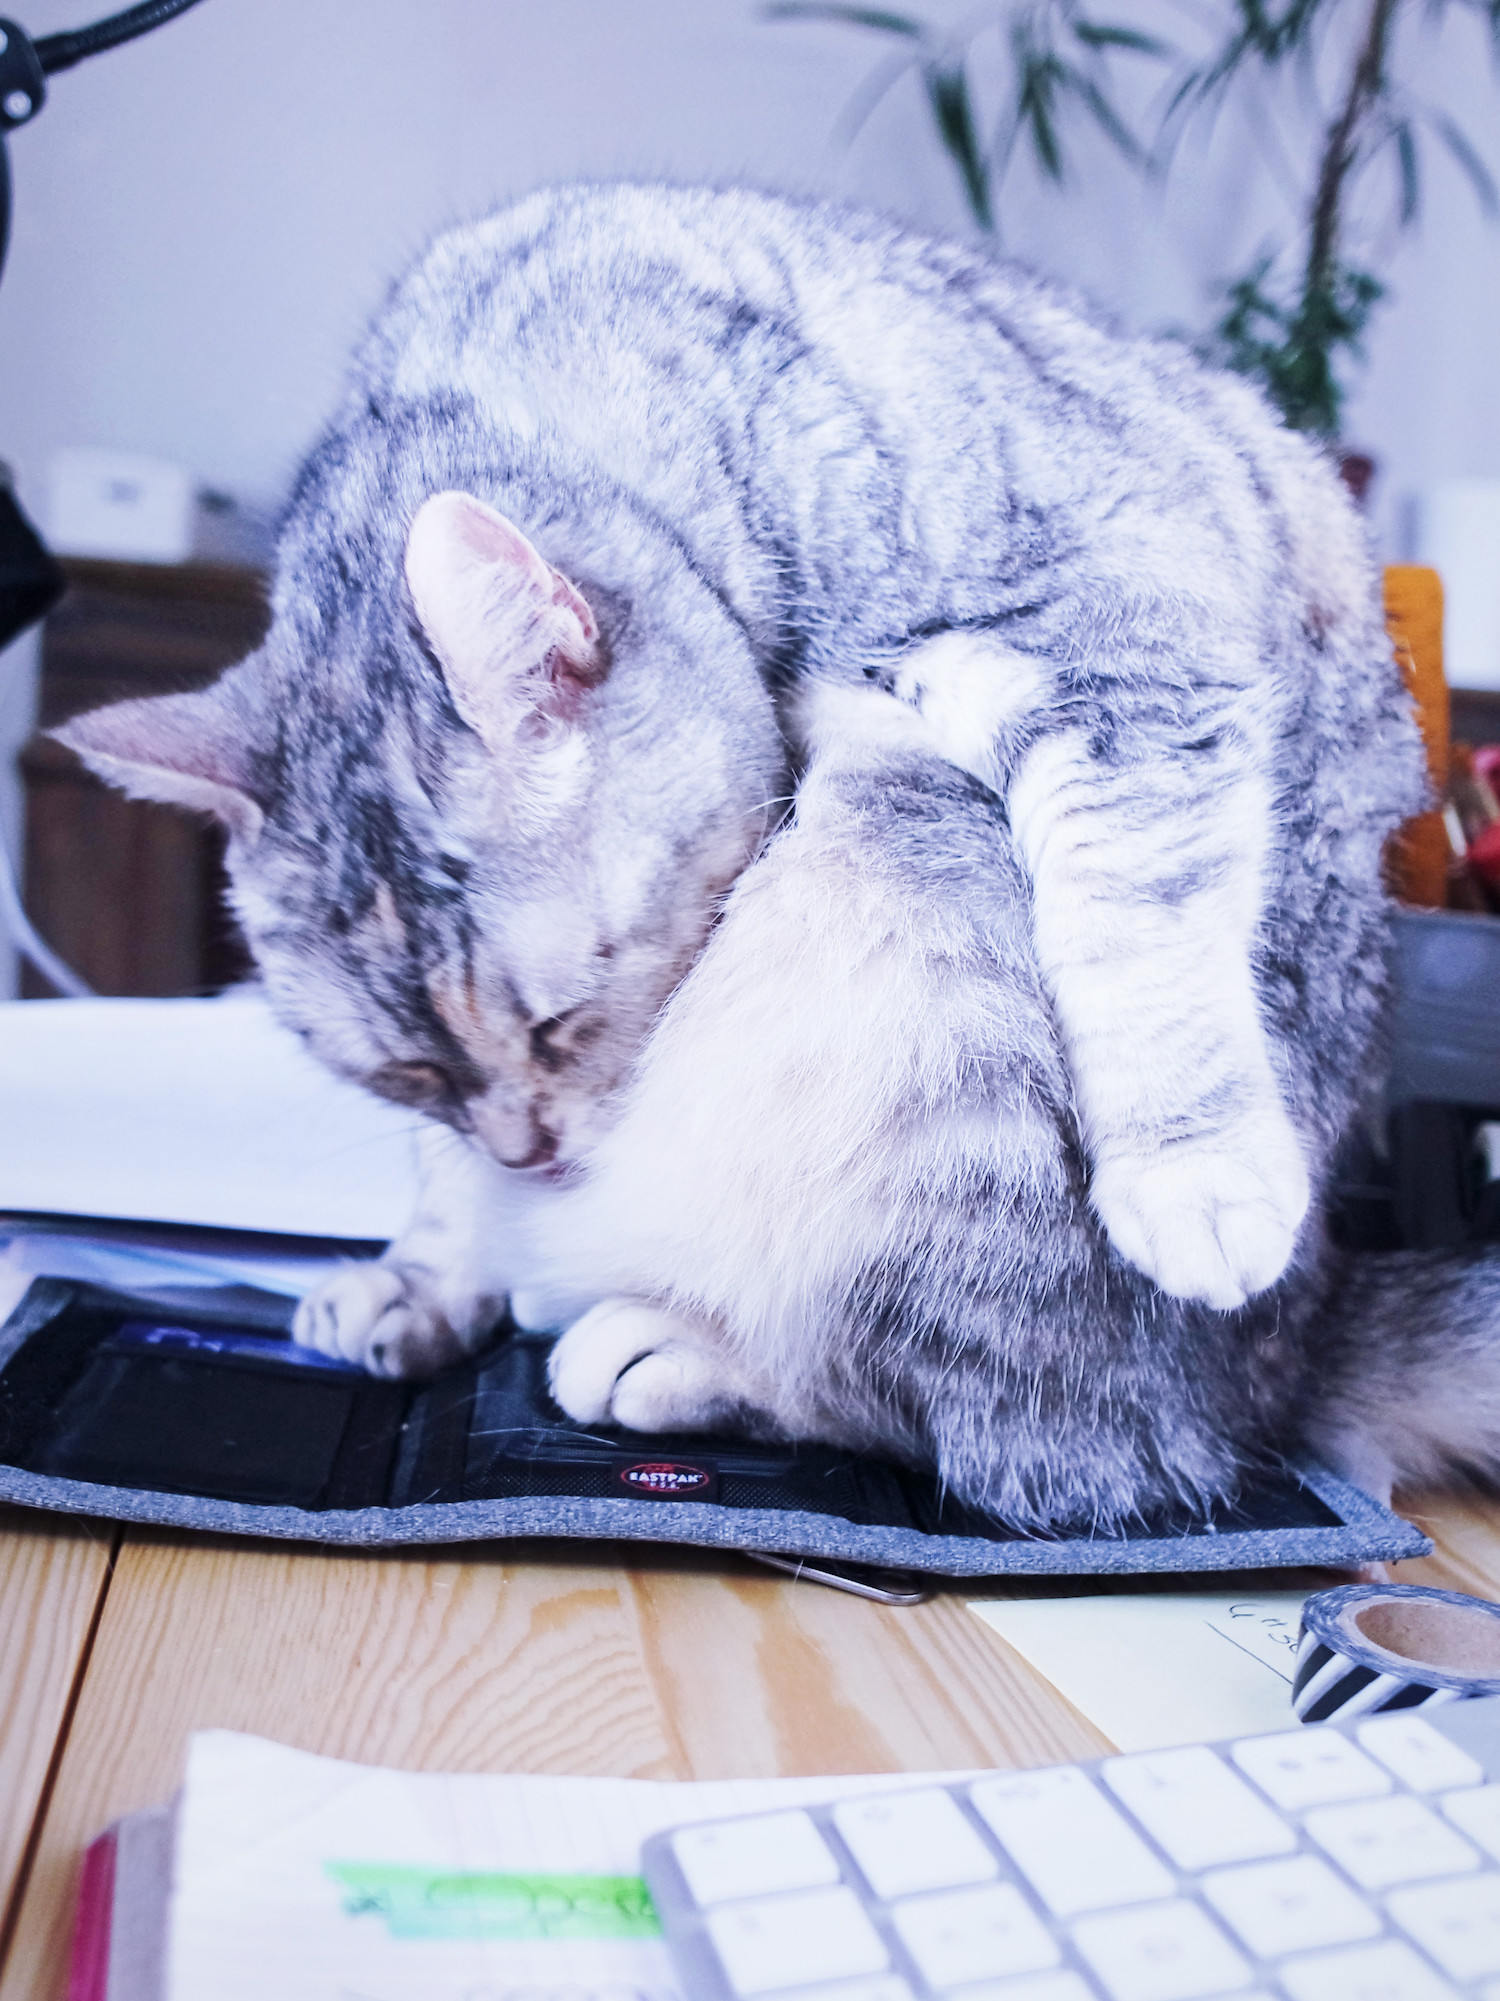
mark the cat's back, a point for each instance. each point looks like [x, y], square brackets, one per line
[918, 395]
[583, 298]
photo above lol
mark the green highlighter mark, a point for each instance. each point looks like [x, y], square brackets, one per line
[430, 1904]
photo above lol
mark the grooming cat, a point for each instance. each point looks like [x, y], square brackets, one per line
[1083, 654]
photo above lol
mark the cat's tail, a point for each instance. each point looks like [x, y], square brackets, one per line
[1408, 1361]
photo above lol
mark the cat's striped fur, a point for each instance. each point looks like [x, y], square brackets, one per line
[987, 1124]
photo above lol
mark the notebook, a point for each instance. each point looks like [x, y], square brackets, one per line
[280, 1873]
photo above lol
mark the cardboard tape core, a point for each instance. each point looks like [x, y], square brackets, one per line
[1450, 1637]
[1365, 1648]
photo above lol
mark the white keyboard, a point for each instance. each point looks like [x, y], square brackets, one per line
[1354, 1863]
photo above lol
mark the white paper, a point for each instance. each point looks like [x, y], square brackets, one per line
[273, 1845]
[1151, 1669]
[199, 1112]
[1458, 533]
[147, 1267]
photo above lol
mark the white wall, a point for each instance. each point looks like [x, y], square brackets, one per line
[205, 218]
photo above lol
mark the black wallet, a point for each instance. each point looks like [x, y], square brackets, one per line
[201, 1412]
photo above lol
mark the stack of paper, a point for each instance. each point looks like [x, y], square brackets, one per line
[198, 1114]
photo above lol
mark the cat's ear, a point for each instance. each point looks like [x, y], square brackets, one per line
[182, 750]
[517, 642]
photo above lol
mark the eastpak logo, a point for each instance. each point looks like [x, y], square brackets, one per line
[667, 1480]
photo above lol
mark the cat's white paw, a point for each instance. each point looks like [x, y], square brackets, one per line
[636, 1365]
[377, 1315]
[1211, 1219]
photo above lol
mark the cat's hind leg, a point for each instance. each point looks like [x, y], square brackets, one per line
[648, 1368]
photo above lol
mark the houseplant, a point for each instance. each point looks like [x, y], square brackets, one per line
[1295, 320]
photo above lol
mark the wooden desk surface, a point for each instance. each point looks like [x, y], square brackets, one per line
[115, 1644]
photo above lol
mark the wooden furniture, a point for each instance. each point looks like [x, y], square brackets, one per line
[116, 1643]
[1417, 858]
[131, 894]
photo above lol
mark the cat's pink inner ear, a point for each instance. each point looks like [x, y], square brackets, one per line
[515, 638]
[181, 750]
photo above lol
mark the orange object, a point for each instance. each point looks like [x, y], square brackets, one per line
[1418, 855]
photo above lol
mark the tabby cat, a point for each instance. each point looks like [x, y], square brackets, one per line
[852, 795]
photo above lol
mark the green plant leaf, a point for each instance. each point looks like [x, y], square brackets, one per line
[1037, 75]
[1104, 35]
[1292, 347]
[1411, 181]
[1105, 115]
[854, 17]
[881, 80]
[953, 111]
[1480, 178]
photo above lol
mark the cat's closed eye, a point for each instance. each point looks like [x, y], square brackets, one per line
[563, 1036]
[426, 1087]
[547, 1044]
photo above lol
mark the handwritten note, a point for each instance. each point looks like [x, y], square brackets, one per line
[1159, 1668]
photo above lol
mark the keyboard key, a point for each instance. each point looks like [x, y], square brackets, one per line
[882, 1987]
[1077, 1852]
[914, 1841]
[1041, 1987]
[1303, 1768]
[1388, 1841]
[1171, 1952]
[796, 1941]
[968, 1935]
[757, 1857]
[1200, 1811]
[1421, 1757]
[1277, 1907]
[1477, 1812]
[1457, 1923]
[1387, 1972]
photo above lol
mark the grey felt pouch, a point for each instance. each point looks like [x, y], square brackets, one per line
[202, 1414]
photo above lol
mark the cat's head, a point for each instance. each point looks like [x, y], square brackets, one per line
[480, 815]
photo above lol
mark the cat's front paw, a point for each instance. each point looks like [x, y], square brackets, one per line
[639, 1366]
[1209, 1219]
[380, 1316]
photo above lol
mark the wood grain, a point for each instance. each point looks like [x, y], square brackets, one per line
[1466, 1529]
[544, 1658]
[53, 1572]
[557, 1659]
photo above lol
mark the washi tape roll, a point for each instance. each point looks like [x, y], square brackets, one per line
[1372, 1647]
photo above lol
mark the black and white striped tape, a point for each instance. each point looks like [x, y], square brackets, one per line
[1372, 1647]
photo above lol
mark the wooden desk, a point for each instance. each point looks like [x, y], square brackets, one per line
[114, 1645]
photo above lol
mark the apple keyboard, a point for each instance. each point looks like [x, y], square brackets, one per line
[1355, 1862]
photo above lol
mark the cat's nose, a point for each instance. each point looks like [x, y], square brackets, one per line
[506, 1125]
[543, 1149]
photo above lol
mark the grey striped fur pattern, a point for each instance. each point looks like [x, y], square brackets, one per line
[852, 796]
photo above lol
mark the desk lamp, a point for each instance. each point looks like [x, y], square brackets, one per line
[30, 581]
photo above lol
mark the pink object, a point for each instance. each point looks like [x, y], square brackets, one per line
[1484, 854]
[88, 1974]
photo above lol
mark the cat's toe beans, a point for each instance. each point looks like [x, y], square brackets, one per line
[338, 1318]
[1208, 1222]
[595, 1352]
[674, 1389]
[409, 1341]
[368, 1314]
